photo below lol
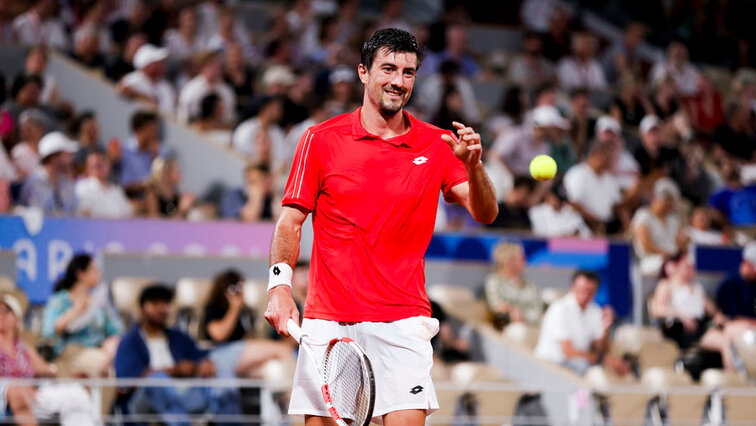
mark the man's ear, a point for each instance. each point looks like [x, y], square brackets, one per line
[362, 72]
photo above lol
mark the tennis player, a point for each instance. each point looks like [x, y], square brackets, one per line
[371, 180]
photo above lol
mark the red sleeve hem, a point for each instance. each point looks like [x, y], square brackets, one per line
[447, 193]
[298, 202]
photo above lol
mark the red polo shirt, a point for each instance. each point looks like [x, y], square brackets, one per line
[374, 205]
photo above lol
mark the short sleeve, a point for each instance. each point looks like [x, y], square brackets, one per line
[572, 185]
[55, 307]
[304, 180]
[453, 173]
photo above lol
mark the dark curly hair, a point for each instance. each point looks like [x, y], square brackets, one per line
[393, 40]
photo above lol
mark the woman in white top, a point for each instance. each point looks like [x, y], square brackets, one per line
[681, 306]
[185, 41]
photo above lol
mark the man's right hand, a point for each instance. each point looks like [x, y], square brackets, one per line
[183, 368]
[280, 308]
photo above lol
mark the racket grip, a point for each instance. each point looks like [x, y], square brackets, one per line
[295, 331]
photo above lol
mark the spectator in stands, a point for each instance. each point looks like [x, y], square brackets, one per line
[575, 330]
[25, 93]
[448, 76]
[631, 105]
[510, 297]
[139, 150]
[228, 32]
[622, 58]
[210, 79]
[260, 138]
[342, 95]
[86, 129]
[98, 197]
[7, 175]
[665, 98]
[513, 211]
[516, 147]
[148, 82]
[255, 201]
[581, 69]
[451, 110]
[67, 403]
[32, 125]
[455, 50]
[392, 16]
[700, 231]
[238, 74]
[40, 25]
[680, 304]
[653, 156]
[595, 192]
[92, 13]
[86, 48]
[209, 123]
[734, 203]
[511, 112]
[317, 114]
[117, 67]
[7, 36]
[555, 217]
[582, 125]
[185, 41]
[152, 349]
[132, 23]
[36, 63]
[706, 108]
[556, 40]
[737, 137]
[79, 313]
[676, 66]
[163, 198]
[657, 232]
[234, 355]
[530, 68]
[50, 187]
[624, 167]
[448, 346]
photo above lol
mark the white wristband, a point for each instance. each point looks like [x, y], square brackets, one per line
[280, 274]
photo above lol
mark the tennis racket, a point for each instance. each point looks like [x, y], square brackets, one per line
[346, 378]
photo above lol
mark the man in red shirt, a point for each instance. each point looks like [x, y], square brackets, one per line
[371, 180]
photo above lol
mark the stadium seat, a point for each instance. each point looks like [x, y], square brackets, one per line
[738, 408]
[682, 407]
[189, 303]
[125, 292]
[658, 354]
[745, 345]
[459, 302]
[278, 375]
[76, 361]
[494, 404]
[551, 294]
[522, 335]
[630, 339]
[256, 298]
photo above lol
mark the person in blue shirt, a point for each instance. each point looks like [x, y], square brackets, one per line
[152, 349]
[255, 201]
[735, 204]
[139, 150]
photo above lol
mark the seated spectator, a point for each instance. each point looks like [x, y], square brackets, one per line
[581, 69]
[238, 74]
[66, 403]
[595, 193]
[665, 99]
[140, 150]
[448, 347]
[50, 187]
[260, 138]
[25, 93]
[516, 147]
[36, 63]
[622, 58]
[133, 21]
[79, 313]
[86, 130]
[97, 197]
[342, 91]
[451, 110]
[234, 355]
[210, 122]
[624, 167]
[152, 349]
[86, 48]
[706, 108]
[700, 230]
[510, 297]
[209, 80]
[530, 68]
[652, 155]
[148, 82]
[93, 14]
[582, 125]
[255, 201]
[555, 217]
[185, 41]
[455, 49]
[511, 112]
[228, 32]
[513, 211]
[117, 67]
[163, 198]
[736, 295]
[680, 303]
[657, 232]
[676, 66]
[575, 330]
[737, 137]
[32, 126]
[432, 89]
[734, 204]
[40, 25]
[631, 105]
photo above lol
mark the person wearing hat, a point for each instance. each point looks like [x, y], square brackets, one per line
[67, 403]
[515, 148]
[147, 82]
[209, 80]
[651, 154]
[657, 232]
[625, 168]
[50, 187]
[342, 97]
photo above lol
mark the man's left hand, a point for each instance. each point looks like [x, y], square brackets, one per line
[467, 148]
[206, 369]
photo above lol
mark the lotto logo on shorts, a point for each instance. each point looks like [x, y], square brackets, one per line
[420, 160]
[416, 390]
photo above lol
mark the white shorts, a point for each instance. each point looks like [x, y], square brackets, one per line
[400, 353]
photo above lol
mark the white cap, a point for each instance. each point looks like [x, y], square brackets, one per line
[665, 187]
[749, 253]
[342, 75]
[648, 123]
[55, 142]
[13, 304]
[549, 116]
[148, 54]
[607, 122]
[278, 74]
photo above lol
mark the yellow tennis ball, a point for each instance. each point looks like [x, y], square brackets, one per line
[543, 167]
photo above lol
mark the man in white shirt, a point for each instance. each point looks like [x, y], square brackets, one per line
[575, 330]
[677, 66]
[209, 80]
[260, 138]
[625, 167]
[594, 192]
[40, 26]
[581, 69]
[97, 197]
[147, 82]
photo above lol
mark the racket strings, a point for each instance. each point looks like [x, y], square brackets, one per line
[348, 380]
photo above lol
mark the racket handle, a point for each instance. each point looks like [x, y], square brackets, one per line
[295, 331]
